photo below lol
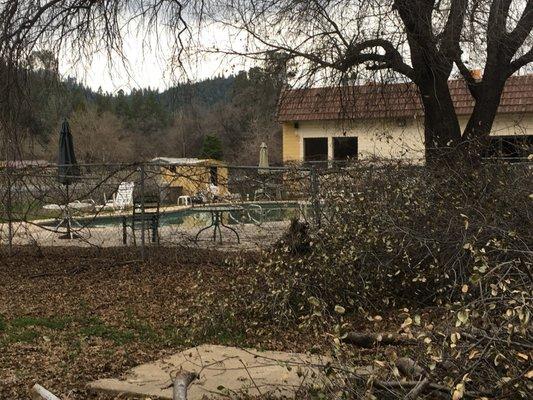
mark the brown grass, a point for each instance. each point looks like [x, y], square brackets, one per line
[69, 315]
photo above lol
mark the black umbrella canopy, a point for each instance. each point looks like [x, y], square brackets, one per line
[68, 169]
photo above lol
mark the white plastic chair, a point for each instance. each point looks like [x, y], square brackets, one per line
[184, 200]
[123, 198]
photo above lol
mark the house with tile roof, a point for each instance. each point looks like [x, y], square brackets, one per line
[386, 121]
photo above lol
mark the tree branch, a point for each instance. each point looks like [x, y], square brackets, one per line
[330, 20]
[452, 31]
[522, 30]
[520, 62]
[391, 59]
[496, 24]
[471, 83]
[28, 24]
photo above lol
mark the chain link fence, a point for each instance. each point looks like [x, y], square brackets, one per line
[187, 203]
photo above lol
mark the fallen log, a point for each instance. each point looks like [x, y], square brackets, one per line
[40, 393]
[369, 340]
[181, 384]
[409, 385]
[410, 368]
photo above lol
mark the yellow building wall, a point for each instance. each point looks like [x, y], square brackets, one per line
[508, 124]
[196, 178]
[291, 143]
[376, 138]
[387, 138]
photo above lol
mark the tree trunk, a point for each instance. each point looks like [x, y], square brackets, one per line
[181, 384]
[442, 133]
[479, 126]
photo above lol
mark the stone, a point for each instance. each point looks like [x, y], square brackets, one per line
[222, 371]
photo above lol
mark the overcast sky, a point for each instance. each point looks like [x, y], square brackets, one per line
[148, 63]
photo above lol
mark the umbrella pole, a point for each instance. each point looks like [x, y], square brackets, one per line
[67, 220]
[69, 233]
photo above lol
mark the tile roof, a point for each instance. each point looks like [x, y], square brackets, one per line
[184, 161]
[390, 100]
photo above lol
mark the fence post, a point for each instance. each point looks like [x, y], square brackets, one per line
[9, 211]
[315, 195]
[143, 239]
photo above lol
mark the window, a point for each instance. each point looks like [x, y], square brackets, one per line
[509, 146]
[344, 148]
[213, 176]
[315, 149]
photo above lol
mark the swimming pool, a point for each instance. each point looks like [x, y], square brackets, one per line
[251, 213]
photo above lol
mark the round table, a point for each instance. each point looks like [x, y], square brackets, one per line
[217, 221]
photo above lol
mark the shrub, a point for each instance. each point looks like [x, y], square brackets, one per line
[398, 235]
[453, 245]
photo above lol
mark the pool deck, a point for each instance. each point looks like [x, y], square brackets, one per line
[252, 237]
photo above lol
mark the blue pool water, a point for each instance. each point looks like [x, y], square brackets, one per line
[251, 213]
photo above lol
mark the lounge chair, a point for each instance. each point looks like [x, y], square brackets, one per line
[122, 199]
[77, 205]
[214, 193]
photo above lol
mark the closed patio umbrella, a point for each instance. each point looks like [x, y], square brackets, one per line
[68, 168]
[68, 171]
[263, 159]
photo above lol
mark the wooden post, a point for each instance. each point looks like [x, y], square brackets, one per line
[143, 222]
[40, 393]
[9, 209]
[315, 195]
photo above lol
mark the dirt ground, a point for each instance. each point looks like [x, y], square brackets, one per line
[72, 315]
[252, 237]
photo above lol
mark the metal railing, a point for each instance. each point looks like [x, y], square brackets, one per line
[34, 204]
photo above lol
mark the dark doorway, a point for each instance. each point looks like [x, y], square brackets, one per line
[344, 148]
[512, 147]
[213, 176]
[315, 149]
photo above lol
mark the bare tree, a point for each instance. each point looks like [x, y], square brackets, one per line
[422, 41]
[79, 27]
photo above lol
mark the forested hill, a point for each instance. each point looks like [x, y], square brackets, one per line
[207, 92]
[236, 113]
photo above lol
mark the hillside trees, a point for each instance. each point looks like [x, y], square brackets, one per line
[147, 123]
[421, 41]
[100, 138]
[212, 148]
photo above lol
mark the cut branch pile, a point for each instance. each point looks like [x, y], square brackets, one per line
[369, 340]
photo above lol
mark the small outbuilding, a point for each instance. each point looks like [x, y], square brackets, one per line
[192, 177]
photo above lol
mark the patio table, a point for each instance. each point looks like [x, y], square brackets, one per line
[217, 221]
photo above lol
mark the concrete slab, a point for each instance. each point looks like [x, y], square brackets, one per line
[224, 371]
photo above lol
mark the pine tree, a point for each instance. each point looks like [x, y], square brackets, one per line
[212, 147]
